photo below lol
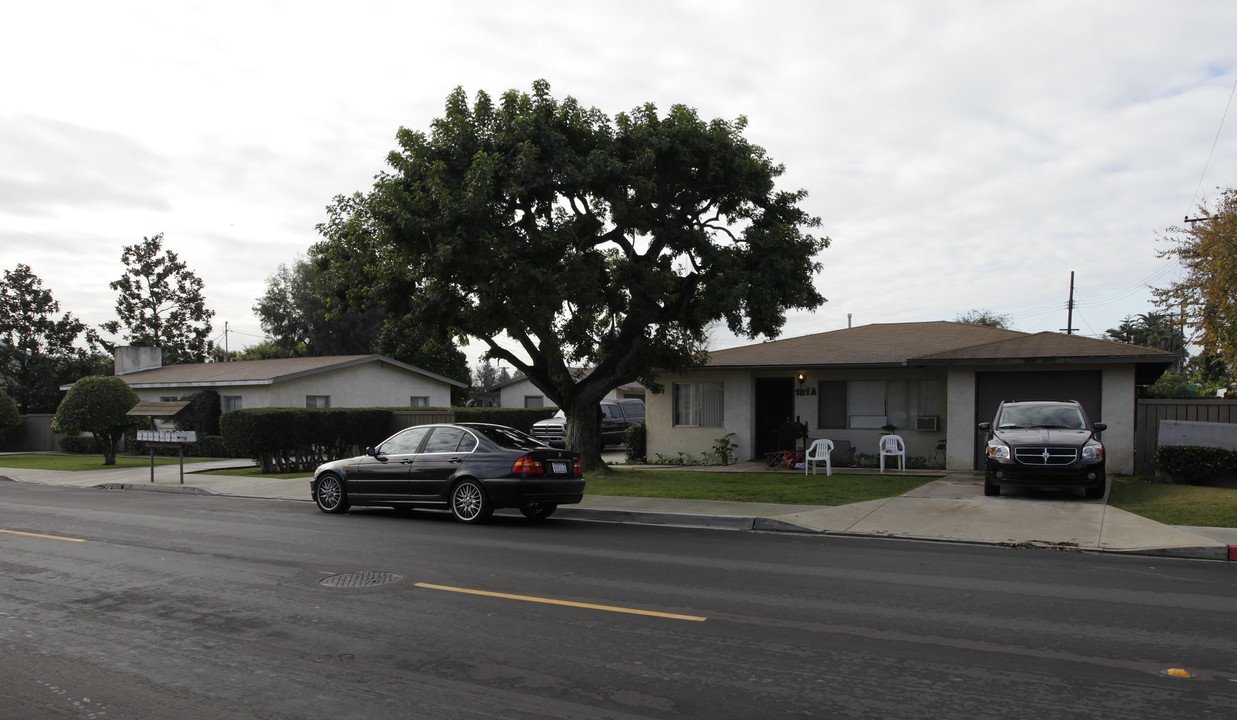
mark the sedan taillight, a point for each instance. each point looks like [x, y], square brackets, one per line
[527, 466]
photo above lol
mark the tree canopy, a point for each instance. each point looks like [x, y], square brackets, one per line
[985, 318]
[160, 304]
[1205, 296]
[610, 245]
[39, 351]
[97, 405]
[298, 313]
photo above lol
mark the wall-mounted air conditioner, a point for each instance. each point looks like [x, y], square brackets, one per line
[926, 422]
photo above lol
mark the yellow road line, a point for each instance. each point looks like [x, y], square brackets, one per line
[548, 601]
[49, 537]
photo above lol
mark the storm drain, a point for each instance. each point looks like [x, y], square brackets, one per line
[360, 579]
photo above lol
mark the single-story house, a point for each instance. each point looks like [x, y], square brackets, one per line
[931, 381]
[330, 381]
[520, 392]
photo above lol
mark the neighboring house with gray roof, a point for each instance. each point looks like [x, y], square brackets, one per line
[330, 381]
[519, 392]
[933, 381]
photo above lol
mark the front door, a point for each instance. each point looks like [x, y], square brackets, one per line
[434, 467]
[775, 404]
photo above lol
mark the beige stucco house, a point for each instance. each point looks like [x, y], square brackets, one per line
[932, 381]
[521, 393]
[331, 381]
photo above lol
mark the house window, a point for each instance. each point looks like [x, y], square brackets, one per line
[699, 404]
[317, 401]
[873, 404]
[165, 398]
[832, 394]
[534, 401]
[419, 401]
[230, 402]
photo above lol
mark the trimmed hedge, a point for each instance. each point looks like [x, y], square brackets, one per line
[1192, 465]
[300, 439]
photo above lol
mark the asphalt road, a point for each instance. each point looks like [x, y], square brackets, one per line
[118, 604]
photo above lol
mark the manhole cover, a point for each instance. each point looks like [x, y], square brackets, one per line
[360, 579]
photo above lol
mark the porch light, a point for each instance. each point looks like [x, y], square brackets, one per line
[801, 379]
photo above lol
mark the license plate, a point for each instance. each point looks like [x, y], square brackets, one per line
[558, 468]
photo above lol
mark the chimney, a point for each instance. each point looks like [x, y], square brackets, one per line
[130, 359]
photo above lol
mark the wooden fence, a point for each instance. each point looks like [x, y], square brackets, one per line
[1149, 413]
[34, 435]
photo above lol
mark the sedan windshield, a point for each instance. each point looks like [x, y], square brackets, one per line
[1041, 416]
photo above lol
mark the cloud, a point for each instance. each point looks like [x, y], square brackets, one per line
[49, 166]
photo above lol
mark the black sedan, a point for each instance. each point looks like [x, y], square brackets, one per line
[470, 469]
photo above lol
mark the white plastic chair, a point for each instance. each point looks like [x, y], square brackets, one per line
[893, 445]
[819, 450]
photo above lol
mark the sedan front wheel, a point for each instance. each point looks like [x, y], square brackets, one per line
[469, 503]
[329, 494]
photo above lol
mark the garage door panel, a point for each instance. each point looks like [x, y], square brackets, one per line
[991, 388]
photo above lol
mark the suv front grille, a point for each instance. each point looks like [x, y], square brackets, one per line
[1046, 456]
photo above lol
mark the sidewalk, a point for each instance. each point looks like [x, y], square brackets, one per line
[951, 509]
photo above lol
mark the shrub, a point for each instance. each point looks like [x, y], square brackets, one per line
[635, 437]
[1191, 465]
[82, 444]
[97, 404]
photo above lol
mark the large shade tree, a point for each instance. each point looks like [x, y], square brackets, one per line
[591, 242]
[1205, 296]
[298, 313]
[40, 350]
[160, 303]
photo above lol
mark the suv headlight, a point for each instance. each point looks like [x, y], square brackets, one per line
[1092, 451]
[998, 450]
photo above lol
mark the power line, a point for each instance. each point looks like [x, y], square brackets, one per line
[1213, 148]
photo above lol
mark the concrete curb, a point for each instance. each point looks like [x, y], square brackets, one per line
[755, 523]
[151, 487]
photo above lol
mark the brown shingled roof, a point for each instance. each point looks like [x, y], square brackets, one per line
[928, 343]
[258, 372]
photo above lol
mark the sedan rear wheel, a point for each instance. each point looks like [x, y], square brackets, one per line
[329, 494]
[537, 510]
[469, 503]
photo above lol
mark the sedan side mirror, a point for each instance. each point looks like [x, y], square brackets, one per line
[1100, 427]
[985, 426]
[372, 452]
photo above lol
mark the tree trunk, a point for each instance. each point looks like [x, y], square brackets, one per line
[583, 433]
[107, 444]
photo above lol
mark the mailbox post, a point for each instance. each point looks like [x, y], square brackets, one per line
[167, 438]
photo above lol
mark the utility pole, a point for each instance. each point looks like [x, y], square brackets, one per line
[1069, 321]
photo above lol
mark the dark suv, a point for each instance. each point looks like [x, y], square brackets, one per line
[1043, 444]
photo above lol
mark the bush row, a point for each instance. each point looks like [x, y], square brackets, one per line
[1191, 465]
[300, 439]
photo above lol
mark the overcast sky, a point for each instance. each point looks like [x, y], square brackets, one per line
[960, 155]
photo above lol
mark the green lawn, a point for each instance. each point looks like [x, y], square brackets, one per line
[1175, 504]
[74, 463]
[782, 487]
